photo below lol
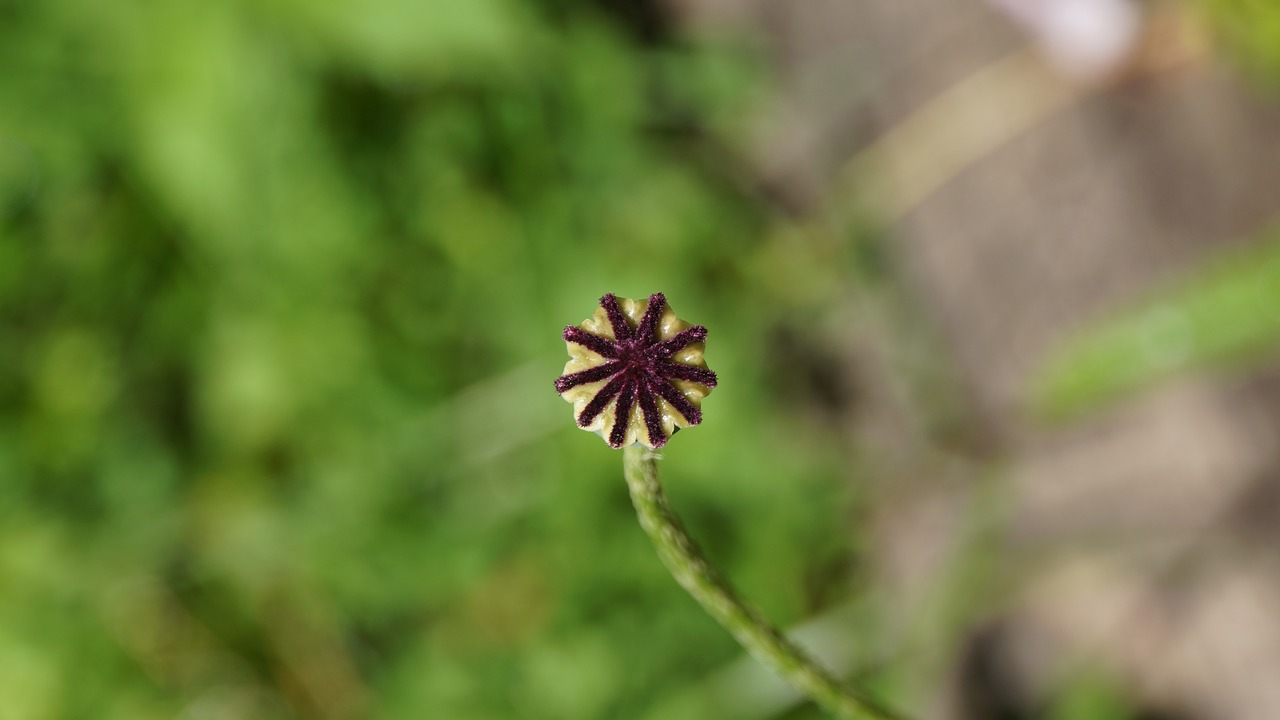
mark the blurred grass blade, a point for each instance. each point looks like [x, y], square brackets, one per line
[1226, 315]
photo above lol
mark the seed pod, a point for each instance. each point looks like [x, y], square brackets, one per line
[636, 372]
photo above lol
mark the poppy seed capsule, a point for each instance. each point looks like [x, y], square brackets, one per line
[635, 373]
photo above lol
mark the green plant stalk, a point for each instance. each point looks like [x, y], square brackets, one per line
[690, 568]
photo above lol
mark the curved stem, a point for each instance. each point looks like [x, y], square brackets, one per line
[690, 568]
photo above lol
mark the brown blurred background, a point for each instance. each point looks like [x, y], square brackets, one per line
[1038, 165]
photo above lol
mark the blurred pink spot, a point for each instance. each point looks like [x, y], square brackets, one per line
[1085, 40]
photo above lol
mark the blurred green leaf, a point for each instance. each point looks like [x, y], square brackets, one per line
[1226, 314]
[1093, 697]
[1251, 29]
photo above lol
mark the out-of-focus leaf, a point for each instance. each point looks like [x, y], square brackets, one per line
[1093, 697]
[1226, 315]
[1251, 30]
[398, 38]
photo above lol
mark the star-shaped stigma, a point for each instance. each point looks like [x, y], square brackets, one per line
[636, 355]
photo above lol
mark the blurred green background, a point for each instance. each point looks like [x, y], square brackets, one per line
[281, 288]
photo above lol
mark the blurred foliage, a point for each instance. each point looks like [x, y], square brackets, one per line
[1225, 314]
[281, 286]
[1094, 697]
[1250, 29]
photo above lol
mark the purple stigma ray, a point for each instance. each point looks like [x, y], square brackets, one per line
[652, 313]
[622, 417]
[680, 341]
[652, 420]
[596, 344]
[618, 321]
[676, 371]
[679, 402]
[602, 400]
[639, 371]
[590, 375]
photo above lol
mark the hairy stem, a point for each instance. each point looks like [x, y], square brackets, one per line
[690, 568]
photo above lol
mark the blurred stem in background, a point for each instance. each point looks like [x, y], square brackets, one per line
[690, 567]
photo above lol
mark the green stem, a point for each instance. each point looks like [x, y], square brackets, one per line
[690, 568]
